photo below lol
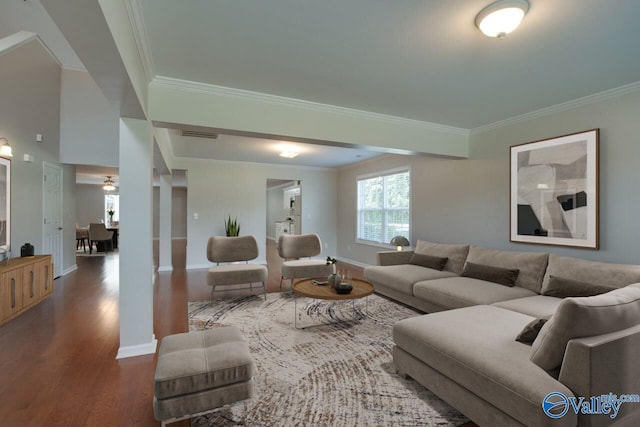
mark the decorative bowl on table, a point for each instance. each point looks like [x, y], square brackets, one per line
[344, 288]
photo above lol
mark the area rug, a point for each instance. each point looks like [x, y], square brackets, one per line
[94, 254]
[331, 375]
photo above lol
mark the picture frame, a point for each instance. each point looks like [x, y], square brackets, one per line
[5, 204]
[554, 193]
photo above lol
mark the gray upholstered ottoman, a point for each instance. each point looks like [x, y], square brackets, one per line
[201, 371]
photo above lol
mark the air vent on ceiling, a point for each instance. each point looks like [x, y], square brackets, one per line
[199, 134]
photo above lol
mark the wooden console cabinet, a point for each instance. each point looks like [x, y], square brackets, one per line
[24, 282]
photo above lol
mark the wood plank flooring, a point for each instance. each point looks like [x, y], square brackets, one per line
[57, 361]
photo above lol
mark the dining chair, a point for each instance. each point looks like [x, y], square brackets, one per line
[99, 233]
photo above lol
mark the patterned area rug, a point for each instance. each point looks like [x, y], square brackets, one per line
[331, 375]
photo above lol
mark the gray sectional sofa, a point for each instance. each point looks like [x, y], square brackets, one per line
[466, 352]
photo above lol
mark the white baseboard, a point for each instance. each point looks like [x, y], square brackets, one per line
[350, 261]
[209, 265]
[165, 268]
[138, 350]
[74, 267]
[173, 238]
[272, 238]
[198, 266]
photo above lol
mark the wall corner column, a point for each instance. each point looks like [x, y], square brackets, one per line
[165, 233]
[136, 239]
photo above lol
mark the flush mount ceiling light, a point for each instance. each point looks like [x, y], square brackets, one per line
[108, 184]
[289, 153]
[502, 17]
[5, 148]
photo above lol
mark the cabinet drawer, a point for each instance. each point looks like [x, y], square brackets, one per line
[45, 279]
[30, 290]
[10, 293]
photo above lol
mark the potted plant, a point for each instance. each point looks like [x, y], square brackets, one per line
[111, 213]
[334, 278]
[231, 227]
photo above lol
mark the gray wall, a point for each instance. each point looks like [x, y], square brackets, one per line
[178, 213]
[274, 210]
[217, 189]
[89, 204]
[30, 104]
[467, 201]
[89, 124]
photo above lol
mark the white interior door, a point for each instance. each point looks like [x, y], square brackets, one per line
[52, 212]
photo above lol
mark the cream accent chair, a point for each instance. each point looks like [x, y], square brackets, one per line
[231, 251]
[293, 247]
[99, 233]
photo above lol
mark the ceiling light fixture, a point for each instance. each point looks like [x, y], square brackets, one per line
[5, 149]
[289, 154]
[502, 17]
[108, 184]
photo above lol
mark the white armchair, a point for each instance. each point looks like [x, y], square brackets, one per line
[297, 251]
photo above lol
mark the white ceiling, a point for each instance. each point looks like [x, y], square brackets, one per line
[95, 175]
[247, 149]
[418, 59]
[30, 15]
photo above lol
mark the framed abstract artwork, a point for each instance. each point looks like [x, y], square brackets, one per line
[554, 191]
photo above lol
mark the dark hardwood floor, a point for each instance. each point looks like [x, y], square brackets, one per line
[57, 360]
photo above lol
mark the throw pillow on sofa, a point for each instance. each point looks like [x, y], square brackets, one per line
[531, 331]
[501, 276]
[584, 317]
[435, 262]
[457, 254]
[561, 287]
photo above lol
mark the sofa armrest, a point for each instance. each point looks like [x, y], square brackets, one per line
[604, 364]
[394, 257]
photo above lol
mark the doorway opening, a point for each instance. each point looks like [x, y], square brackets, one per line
[284, 207]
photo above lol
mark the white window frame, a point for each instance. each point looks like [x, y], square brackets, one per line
[384, 173]
[106, 206]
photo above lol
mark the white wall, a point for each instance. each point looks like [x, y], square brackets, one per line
[88, 122]
[205, 105]
[217, 189]
[30, 104]
[467, 201]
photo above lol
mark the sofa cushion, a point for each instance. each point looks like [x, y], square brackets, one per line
[531, 265]
[530, 332]
[583, 317]
[562, 287]
[475, 347]
[458, 292]
[402, 277]
[501, 276]
[435, 262]
[539, 306]
[615, 275]
[196, 361]
[457, 254]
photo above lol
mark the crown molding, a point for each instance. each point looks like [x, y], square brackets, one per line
[299, 103]
[70, 68]
[15, 40]
[136, 19]
[565, 106]
[180, 160]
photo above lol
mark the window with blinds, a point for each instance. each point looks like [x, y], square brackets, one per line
[383, 206]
